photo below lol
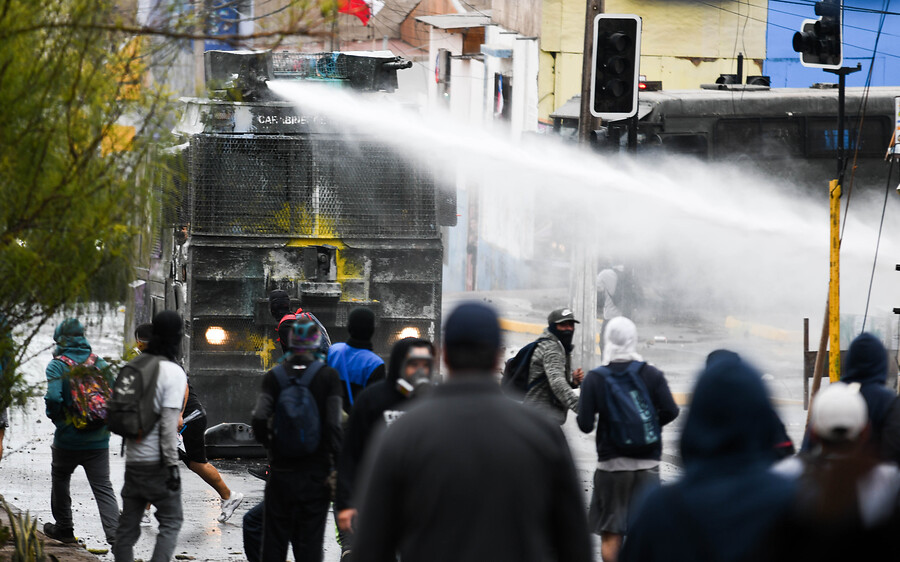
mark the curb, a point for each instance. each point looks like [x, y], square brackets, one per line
[61, 551]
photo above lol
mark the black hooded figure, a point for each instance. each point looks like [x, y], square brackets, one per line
[380, 404]
[728, 504]
[166, 336]
[782, 445]
[354, 360]
[867, 363]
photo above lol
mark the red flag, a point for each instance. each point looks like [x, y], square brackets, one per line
[357, 8]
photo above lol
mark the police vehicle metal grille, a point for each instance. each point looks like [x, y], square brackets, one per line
[317, 186]
[309, 66]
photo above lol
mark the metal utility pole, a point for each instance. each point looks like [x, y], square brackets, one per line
[583, 273]
[585, 119]
[834, 197]
[820, 44]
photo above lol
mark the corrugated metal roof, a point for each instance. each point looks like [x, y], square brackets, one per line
[457, 21]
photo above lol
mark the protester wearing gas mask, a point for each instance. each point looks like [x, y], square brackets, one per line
[550, 375]
[409, 376]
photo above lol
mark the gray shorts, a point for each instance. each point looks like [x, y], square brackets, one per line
[613, 493]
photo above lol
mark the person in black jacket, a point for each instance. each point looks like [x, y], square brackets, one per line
[409, 373]
[729, 502]
[620, 474]
[867, 364]
[297, 491]
[467, 474]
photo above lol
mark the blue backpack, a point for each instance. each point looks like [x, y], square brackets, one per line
[633, 423]
[296, 424]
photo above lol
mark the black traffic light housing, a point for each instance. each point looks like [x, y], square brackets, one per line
[819, 41]
[615, 66]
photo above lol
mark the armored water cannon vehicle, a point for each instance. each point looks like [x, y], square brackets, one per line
[268, 196]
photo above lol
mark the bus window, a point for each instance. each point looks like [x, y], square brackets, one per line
[822, 137]
[692, 145]
[769, 138]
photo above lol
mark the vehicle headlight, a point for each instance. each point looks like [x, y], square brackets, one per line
[408, 332]
[216, 335]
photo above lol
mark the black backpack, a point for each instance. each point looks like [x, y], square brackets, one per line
[514, 380]
[633, 424]
[130, 409]
[296, 424]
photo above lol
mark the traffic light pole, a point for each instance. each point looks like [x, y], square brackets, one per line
[585, 119]
[842, 78]
[834, 197]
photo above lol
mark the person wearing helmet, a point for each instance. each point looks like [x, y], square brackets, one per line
[297, 492]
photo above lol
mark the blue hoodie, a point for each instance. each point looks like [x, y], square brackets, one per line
[866, 363]
[70, 341]
[728, 501]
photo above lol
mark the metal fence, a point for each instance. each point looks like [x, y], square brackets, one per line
[309, 66]
[319, 186]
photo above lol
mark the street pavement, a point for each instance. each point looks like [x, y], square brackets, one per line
[679, 349]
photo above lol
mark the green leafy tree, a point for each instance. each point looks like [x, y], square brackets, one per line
[77, 123]
[83, 106]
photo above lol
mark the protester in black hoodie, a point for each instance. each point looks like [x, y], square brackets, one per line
[867, 364]
[409, 374]
[467, 474]
[728, 503]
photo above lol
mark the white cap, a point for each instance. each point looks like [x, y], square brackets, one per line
[839, 412]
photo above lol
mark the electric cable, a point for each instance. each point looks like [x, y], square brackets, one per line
[792, 29]
[846, 7]
[860, 120]
[887, 190]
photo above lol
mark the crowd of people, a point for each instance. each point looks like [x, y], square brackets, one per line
[456, 469]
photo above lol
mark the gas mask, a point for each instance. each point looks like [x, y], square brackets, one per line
[415, 372]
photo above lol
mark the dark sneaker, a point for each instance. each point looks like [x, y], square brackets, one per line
[261, 472]
[52, 531]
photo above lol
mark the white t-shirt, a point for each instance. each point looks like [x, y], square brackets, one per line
[170, 386]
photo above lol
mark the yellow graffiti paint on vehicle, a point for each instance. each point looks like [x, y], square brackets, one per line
[264, 347]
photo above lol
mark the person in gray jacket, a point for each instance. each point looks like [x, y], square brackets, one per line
[151, 463]
[550, 375]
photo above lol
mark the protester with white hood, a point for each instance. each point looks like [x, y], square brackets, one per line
[623, 470]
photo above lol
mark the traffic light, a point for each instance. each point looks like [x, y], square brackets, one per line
[615, 66]
[819, 41]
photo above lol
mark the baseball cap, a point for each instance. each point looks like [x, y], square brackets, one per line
[562, 315]
[839, 412]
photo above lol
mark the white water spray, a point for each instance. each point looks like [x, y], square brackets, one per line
[716, 236]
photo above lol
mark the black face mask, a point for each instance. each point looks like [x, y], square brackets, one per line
[565, 336]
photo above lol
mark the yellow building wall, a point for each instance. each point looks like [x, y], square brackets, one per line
[684, 43]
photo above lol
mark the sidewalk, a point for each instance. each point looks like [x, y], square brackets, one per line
[62, 552]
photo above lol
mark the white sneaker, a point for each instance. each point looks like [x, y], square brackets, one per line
[145, 520]
[229, 505]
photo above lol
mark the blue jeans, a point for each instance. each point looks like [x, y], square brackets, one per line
[147, 484]
[96, 467]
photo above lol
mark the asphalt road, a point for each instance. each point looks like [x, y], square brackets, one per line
[679, 349]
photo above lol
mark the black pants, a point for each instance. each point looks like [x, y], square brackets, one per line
[253, 530]
[296, 507]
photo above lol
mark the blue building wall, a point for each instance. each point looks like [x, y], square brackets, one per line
[782, 63]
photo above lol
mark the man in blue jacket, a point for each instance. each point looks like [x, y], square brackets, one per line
[354, 360]
[76, 447]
